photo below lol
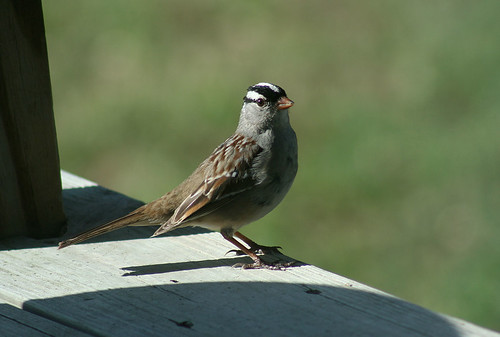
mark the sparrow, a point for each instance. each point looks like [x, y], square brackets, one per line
[243, 179]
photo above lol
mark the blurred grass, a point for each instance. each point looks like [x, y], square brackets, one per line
[397, 114]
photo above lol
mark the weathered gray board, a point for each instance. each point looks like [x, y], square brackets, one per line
[127, 284]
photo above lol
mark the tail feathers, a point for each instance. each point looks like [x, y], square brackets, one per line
[127, 220]
[166, 227]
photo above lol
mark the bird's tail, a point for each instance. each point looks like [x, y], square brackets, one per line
[130, 219]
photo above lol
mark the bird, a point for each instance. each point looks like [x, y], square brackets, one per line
[241, 181]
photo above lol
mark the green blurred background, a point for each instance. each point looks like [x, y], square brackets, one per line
[397, 116]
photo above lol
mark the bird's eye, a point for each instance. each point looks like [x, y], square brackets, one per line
[260, 102]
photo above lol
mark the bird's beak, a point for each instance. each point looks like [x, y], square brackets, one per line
[284, 103]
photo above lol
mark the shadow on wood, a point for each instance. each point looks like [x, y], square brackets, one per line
[241, 309]
[91, 206]
[209, 263]
[32, 325]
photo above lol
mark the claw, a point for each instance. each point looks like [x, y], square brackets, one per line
[260, 250]
[267, 250]
[236, 251]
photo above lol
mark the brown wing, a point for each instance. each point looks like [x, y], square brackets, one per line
[227, 173]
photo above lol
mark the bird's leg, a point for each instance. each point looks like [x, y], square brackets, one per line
[256, 248]
[258, 263]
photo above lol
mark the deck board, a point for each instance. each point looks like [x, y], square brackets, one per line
[18, 322]
[125, 284]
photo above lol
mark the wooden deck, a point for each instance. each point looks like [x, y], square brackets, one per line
[127, 284]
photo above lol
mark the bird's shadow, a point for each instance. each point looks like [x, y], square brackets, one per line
[212, 263]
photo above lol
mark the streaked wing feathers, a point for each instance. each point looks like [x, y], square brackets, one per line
[227, 173]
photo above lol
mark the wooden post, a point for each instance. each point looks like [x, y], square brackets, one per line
[30, 184]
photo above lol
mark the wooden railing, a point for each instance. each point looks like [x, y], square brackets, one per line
[127, 284]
